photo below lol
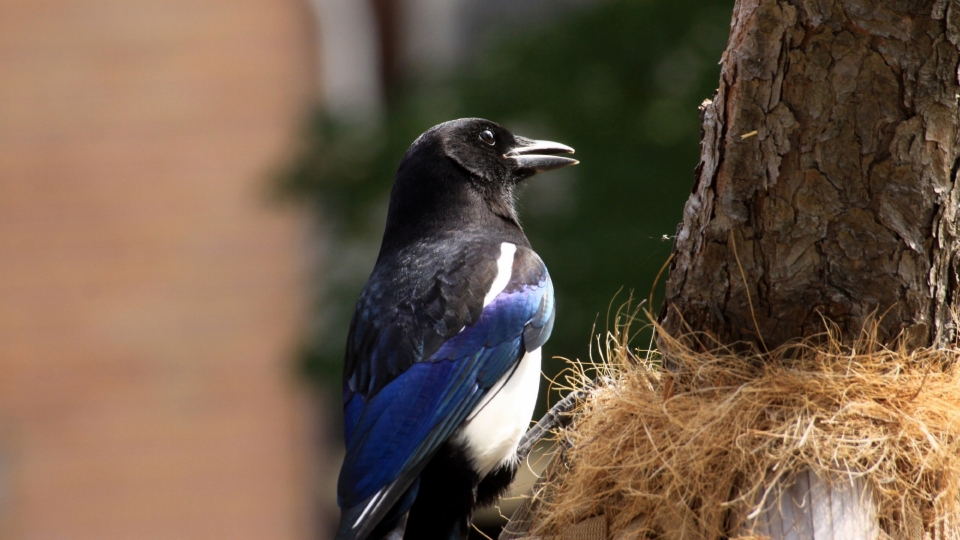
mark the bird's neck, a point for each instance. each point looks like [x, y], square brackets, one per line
[429, 207]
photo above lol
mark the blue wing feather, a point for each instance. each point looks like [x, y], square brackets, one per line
[392, 434]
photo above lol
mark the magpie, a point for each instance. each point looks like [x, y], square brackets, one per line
[442, 361]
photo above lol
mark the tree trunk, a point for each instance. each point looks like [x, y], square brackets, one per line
[826, 189]
[826, 186]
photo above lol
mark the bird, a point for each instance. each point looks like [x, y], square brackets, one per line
[442, 362]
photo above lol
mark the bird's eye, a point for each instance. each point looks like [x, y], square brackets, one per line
[487, 137]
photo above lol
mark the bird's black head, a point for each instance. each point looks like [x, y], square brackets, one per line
[463, 173]
[495, 158]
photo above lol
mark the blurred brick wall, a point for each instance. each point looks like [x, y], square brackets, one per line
[148, 290]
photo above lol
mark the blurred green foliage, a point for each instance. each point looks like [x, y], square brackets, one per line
[620, 81]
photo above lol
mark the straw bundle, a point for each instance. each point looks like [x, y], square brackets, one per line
[695, 451]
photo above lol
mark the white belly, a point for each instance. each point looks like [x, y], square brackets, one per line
[493, 429]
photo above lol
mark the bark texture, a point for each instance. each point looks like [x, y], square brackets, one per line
[828, 169]
[826, 189]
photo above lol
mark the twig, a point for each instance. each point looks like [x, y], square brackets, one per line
[657, 280]
[557, 416]
[746, 288]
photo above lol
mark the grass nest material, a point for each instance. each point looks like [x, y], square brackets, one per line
[695, 451]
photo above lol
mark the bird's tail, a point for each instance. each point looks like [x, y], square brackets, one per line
[382, 516]
[388, 529]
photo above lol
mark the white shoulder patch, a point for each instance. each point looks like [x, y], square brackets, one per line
[504, 271]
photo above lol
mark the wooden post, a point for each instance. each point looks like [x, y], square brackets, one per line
[820, 509]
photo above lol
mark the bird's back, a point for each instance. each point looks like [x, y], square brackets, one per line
[417, 298]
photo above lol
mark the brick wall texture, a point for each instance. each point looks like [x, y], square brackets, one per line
[149, 290]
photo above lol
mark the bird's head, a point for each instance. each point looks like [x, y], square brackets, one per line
[472, 159]
[496, 158]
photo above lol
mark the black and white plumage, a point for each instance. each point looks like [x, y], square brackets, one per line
[442, 361]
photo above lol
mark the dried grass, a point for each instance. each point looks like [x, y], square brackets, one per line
[690, 452]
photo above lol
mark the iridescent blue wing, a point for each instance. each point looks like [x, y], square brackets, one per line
[392, 433]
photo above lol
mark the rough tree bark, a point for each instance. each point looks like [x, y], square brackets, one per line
[826, 188]
[844, 202]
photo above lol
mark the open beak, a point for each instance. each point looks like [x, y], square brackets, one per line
[540, 156]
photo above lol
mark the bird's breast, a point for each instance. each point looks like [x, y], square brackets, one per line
[493, 429]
